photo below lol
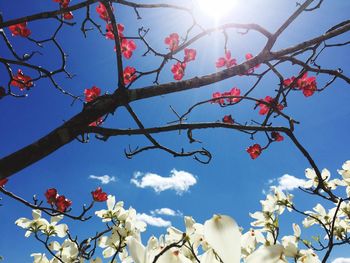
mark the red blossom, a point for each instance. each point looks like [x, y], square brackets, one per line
[127, 47]
[110, 34]
[129, 74]
[98, 195]
[233, 92]
[51, 195]
[92, 93]
[276, 136]
[306, 84]
[254, 151]
[216, 96]
[172, 41]
[226, 61]
[290, 83]
[20, 29]
[190, 54]
[63, 3]
[228, 119]
[3, 182]
[21, 81]
[62, 203]
[178, 70]
[102, 11]
[68, 16]
[96, 123]
[264, 108]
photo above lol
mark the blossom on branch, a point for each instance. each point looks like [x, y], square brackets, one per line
[178, 70]
[129, 75]
[98, 195]
[254, 151]
[22, 81]
[92, 93]
[172, 41]
[226, 61]
[20, 29]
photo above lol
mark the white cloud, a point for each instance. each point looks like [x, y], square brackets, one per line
[166, 211]
[289, 182]
[341, 260]
[153, 221]
[180, 181]
[105, 179]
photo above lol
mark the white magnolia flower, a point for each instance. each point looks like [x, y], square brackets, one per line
[223, 235]
[313, 179]
[34, 225]
[268, 254]
[39, 258]
[113, 210]
[250, 240]
[345, 173]
[67, 252]
[308, 256]
[53, 228]
[290, 243]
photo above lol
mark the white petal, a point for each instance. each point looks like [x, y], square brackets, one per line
[209, 257]
[55, 219]
[23, 222]
[55, 246]
[137, 250]
[271, 254]
[110, 202]
[36, 214]
[61, 230]
[108, 252]
[223, 235]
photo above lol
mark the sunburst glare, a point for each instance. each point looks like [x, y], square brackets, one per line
[216, 8]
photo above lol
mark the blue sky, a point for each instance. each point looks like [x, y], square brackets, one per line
[231, 184]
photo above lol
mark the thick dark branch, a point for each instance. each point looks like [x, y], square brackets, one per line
[60, 136]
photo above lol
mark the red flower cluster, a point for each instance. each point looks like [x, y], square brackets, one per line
[233, 92]
[102, 11]
[228, 119]
[276, 136]
[254, 151]
[178, 70]
[22, 81]
[110, 34]
[64, 4]
[226, 61]
[127, 47]
[98, 195]
[264, 108]
[60, 201]
[92, 93]
[306, 84]
[190, 54]
[20, 29]
[172, 41]
[129, 75]
[3, 182]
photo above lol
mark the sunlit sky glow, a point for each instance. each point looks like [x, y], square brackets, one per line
[216, 9]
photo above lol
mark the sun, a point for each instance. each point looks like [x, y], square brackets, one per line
[216, 8]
